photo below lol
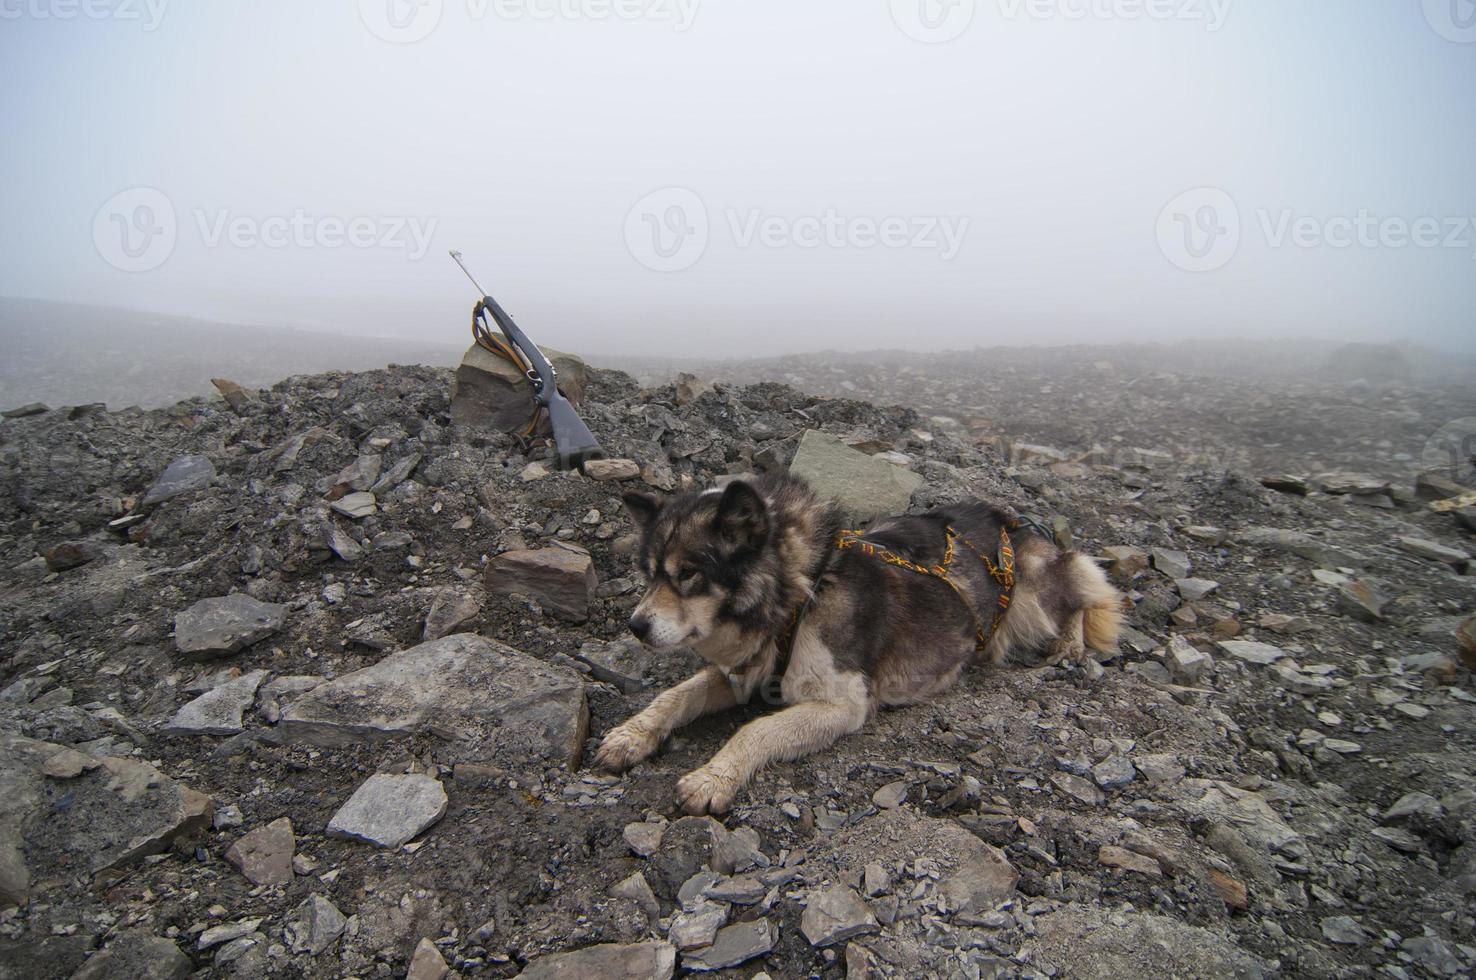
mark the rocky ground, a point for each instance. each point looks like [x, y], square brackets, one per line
[302, 683]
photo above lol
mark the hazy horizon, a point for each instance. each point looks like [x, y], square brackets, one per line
[707, 180]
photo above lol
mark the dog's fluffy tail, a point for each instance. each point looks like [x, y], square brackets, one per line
[1101, 604]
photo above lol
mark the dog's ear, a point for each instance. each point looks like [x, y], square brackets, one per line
[742, 515]
[642, 507]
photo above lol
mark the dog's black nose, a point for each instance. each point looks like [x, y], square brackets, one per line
[640, 626]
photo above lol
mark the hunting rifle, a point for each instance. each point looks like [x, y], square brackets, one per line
[572, 439]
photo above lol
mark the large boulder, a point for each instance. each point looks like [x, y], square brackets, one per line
[63, 812]
[864, 486]
[488, 392]
[495, 704]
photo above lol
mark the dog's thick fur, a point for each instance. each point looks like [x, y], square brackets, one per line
[729, 571]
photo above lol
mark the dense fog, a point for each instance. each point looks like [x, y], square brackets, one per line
[703, 179]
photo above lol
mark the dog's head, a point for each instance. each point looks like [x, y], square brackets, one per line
[699, 552]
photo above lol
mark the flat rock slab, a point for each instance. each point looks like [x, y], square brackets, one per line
[139, 955]
[976, 875]
[1252, 652]
[562, 581]
[836, 914]
[264, 856]
[390, 810]
[217, 711]
[1300, 544]
[92, 820]
[735, 944]
[611, 961]
[185, 474]
[223, 625]
[610, 470]
[865, 487]
[1090, 944]
[496, 704]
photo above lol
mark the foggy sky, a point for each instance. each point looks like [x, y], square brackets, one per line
[855, 175]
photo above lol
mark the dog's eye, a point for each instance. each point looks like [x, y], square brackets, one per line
[689, 580]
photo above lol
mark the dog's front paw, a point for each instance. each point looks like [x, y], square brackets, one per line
[707, 790]
[1065, 650]
[624, 746]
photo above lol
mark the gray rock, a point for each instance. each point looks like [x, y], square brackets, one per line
[1300, 544]
[1185, 663]
[451, 612]
[1194, 589]
[638, 890]
[218, 711]
[1433, 954]
[185, 474]
[863, 486]
[390, 810]
[734, 944]
[427, 963]
[1079, 788]
[1173, 564]
[115, 812]
[226, 932]
[611, 961]
[1432, 551]
[356, 505]
[313, 926]
[738, 890]
[644, 837]
[694, 890]
[1253, 652]
[25, 411]
[220, 626]
[138, 955]
[737, 850]
[697, 927]
[264, 855]
[1343, 930]
[492, 702]
[1399, 839]
[834, 915]
[395, 475]
[360, 475]
[563, 581]
[1114, 772]
[1412, 803]
[891, 795]
[341, 543]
